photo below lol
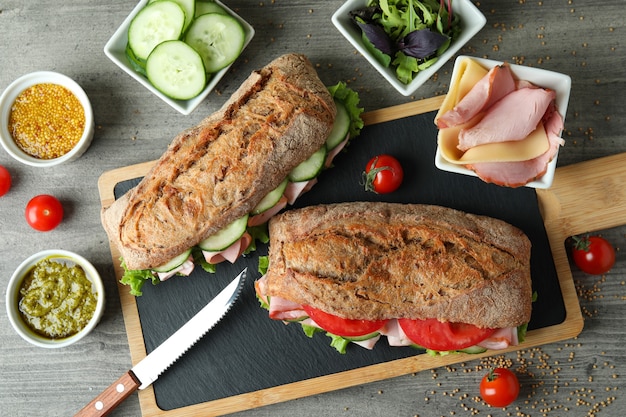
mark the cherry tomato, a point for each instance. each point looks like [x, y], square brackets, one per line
[499, 388]
[44, 212]
[343, 327]
[383, 174]
[593, 255]
[5, 180]
[436, 335]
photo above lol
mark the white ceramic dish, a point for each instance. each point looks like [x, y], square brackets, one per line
[560, 83]
[115, 50]
[6, 103]
[472, 21]
[12, 299]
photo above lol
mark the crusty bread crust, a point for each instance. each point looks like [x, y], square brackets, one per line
[373, 261]
[218, 171]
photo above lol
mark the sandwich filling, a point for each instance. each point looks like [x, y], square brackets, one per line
[399, 270]
[252, 227]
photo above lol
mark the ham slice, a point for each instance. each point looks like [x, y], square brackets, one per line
[512, 118]
[260, 287]
[501, 339]
[492, 87]
[296, 189]
[231, 253]
[517, 174]
[335, 151]
[184, 269]
[281, 309]
[395, 334]
[268, 214]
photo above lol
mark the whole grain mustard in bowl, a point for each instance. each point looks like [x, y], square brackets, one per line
[46, 119]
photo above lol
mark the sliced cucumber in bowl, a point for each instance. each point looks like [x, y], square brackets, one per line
[160, 21]
[218, 38]
[188, 6]
[208, 6]
[176, 69]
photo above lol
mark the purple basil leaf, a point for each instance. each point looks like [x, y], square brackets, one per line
[378, 37]
[421, 43]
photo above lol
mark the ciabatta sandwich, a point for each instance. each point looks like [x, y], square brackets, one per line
[230, 173]
[421, 275]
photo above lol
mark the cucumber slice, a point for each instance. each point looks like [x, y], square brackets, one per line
[188, 6]
[271, 198]
[340, 128]
[204, 7]
[473, 349]
[157, 22]
[361, 338]
[175, 69]
[218, 38]
[310, 168]
[174, 262]
[137, 64]
[225, 237]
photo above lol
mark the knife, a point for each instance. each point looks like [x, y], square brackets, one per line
[149, 368]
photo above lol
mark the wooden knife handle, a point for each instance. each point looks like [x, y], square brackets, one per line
[111, 397]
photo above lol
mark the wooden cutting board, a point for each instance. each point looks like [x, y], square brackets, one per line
[584, 197]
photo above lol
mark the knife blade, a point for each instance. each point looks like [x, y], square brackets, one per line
[149, 368]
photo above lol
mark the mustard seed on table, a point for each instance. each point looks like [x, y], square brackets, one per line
[47, 120]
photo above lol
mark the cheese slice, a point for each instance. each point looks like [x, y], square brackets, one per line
[467, 74]
[532, 146]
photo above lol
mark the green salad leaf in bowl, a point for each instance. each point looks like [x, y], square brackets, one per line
[407, 35]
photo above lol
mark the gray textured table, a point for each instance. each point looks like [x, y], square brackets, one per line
[584, 39]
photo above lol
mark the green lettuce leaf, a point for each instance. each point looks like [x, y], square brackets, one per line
[136, 278]
[259, 233]
[350, 99]
[338, 342]
[264, 263]
[198, 259]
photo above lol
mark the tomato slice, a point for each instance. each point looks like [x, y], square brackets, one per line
[341, 326]
[436, 335]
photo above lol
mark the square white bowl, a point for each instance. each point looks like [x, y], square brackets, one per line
[115, 50]
[471, 20]
[560, 83]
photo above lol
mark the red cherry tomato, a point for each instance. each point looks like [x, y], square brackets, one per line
[499, 388]
[5, 180]
[383, 174]
[343, 327]
[44, 212]
[436, 335]
[593, 255]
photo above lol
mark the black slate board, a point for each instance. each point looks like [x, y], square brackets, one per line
[247, 351]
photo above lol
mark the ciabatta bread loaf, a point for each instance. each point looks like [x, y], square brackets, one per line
[218, 171]
[375, 261]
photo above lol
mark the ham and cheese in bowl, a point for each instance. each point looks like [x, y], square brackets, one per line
[502, 122]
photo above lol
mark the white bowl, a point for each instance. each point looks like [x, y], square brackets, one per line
[6, 103]
[115, 50]
[13, 293]
[471, 19]
[560, 83]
